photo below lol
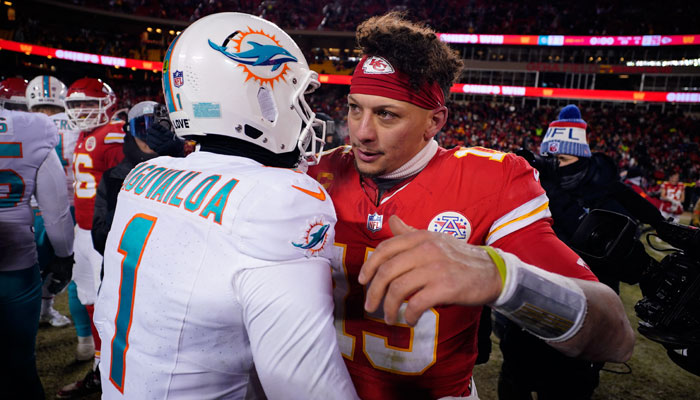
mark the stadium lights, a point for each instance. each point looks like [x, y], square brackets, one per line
[496, 90]
[561, 40]
[693, 62]
[149, 29]
[158, 30]
[172, 32]
[8, 3]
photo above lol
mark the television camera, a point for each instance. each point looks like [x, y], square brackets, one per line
[669, 312]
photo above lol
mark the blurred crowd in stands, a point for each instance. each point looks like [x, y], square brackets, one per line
[657, 143]
[460, 16]
[599, 17]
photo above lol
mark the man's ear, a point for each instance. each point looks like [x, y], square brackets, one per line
[438, 119]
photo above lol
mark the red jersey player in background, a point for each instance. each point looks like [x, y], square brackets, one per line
[672, 197]
[90, 105]
[12, 94]
[459, 200]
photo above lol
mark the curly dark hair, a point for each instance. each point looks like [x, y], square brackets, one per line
[412, 48]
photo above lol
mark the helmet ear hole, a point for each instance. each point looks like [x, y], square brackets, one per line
[252, 132]
[268, 107]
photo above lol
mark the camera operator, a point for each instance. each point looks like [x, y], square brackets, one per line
[576, 181]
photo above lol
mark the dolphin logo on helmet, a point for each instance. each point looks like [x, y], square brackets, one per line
[259, 55]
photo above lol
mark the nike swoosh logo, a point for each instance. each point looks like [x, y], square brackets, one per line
[321, 195]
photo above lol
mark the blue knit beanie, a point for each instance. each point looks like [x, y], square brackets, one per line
[567, 135]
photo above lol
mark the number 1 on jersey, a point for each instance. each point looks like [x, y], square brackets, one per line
[132, 246]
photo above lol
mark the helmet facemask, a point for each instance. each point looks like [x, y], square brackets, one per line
[88, 113]
[311, 140]
[14, 105]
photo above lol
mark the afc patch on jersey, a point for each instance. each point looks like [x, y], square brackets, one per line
[452, 223]
[314, 238]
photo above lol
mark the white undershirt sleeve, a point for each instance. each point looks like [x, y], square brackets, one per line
[52, 196]
[288, 313]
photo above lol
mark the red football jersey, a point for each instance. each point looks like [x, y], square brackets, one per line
[476, 194]
[95, 152]
[673, 192]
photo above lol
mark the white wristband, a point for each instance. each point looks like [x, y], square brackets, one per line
[550, 306]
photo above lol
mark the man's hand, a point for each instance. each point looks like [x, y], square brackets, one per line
[164, 142]
[59, 273]
[547, 166]
[429, 267]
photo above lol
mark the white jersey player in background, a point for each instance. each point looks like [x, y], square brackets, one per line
[217, 279]
[28, 166]
[46, 94]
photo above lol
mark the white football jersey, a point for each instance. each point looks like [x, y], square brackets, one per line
[217, 282]
[65, 147]
[67, 136]
[25, 141]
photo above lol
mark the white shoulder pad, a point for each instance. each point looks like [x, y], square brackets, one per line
[287, 216]
[37, 125]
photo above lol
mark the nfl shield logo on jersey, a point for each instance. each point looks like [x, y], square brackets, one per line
[374, 222]
[178, 79]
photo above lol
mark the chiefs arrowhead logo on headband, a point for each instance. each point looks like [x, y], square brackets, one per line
[375, 76]
[377, 65]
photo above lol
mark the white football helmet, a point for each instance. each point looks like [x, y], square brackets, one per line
[45, 90]
[238, 75]
[90, 103]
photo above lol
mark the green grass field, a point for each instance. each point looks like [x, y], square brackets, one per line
[653, 375]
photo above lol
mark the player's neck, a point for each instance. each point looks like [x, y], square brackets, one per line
[415, 164]
[236, 147]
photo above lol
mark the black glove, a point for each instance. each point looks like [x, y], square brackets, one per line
[164, 142]
[58, 273]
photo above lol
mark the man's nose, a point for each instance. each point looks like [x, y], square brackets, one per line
[364, 128]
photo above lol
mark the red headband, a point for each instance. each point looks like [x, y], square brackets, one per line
[375, 76]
